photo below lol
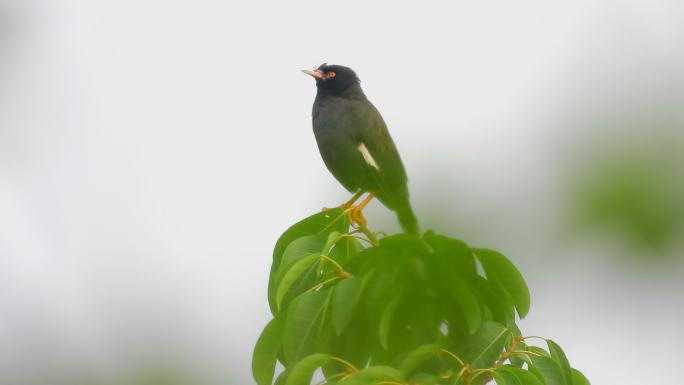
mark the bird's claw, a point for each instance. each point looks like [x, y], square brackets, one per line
[356, 218]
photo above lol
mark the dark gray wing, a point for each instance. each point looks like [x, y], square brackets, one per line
[380, 156]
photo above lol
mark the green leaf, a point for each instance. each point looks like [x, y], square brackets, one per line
[428, 380]
[454, 257]
[498, 268]
[405, 243]
[498, 378]
[578, 378]
[292, 274]
[558, 355]
[317, 224]
[516, 361]
[266, 352]
[468, 303]
[303, 371]
[503, 377]
[550, 370]
[344, 302]
[386, 320]
[307, 280]
[538, 350]
[488, 344]
[282, 377]
[333, 237]
[496, 300]
[304, 323]
[355, 344]
[297, 249]
[300, 248]
[326, 331]
[379, 290]
[530, 365]
[373, 375]
[346, 248]
[525, 377]
[418, 356]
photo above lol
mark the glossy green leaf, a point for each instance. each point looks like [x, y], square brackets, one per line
[550, 370]
[344, 302]
[498, 379]
[525, 377]
[539, 351]
[468, 303]
[333, 237]
[346, 248]
[418, 356]
[295, 250]
[500, 269]
[517, 359]
[373, 375]
[303, 371]
[325, 331]
[355, 344]
[405, 243]
[392, 311]
[308, 279]
[488, 344]
[454, 257]
[428, 380]
[300, 248]
[379, 290]
[282, 378]
[266, 352]
[292, 274]
[386, 321]
[304, 322]
[319, 223]
[558, 355]
[496, 300]
[578, 378]
[531, 368]
[503, 377]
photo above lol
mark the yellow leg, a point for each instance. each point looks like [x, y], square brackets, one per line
[356, 212]
[348, 203]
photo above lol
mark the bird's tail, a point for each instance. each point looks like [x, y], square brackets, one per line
[407, 219]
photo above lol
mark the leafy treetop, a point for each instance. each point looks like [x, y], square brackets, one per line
[404, 310]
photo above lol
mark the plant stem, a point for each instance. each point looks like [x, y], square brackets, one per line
[455, 357]
[340, 271]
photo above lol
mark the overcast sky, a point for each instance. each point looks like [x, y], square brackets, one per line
[151, 152]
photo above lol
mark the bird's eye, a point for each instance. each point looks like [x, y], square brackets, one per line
[332, 74]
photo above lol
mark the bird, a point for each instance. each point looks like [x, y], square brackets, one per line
[356, 146]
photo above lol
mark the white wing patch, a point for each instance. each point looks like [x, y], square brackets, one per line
[367, 156]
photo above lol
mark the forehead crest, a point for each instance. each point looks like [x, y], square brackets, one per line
[339, 69]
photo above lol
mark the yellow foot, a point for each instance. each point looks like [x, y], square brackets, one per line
[356, 218]
[355, 213]
[350, 203]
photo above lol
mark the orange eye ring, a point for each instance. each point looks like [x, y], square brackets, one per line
[332, 74]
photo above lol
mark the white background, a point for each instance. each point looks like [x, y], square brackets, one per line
[151, 152]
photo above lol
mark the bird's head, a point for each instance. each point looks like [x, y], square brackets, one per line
[334, 79]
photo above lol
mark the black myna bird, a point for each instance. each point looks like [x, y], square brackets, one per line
[356, 146]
